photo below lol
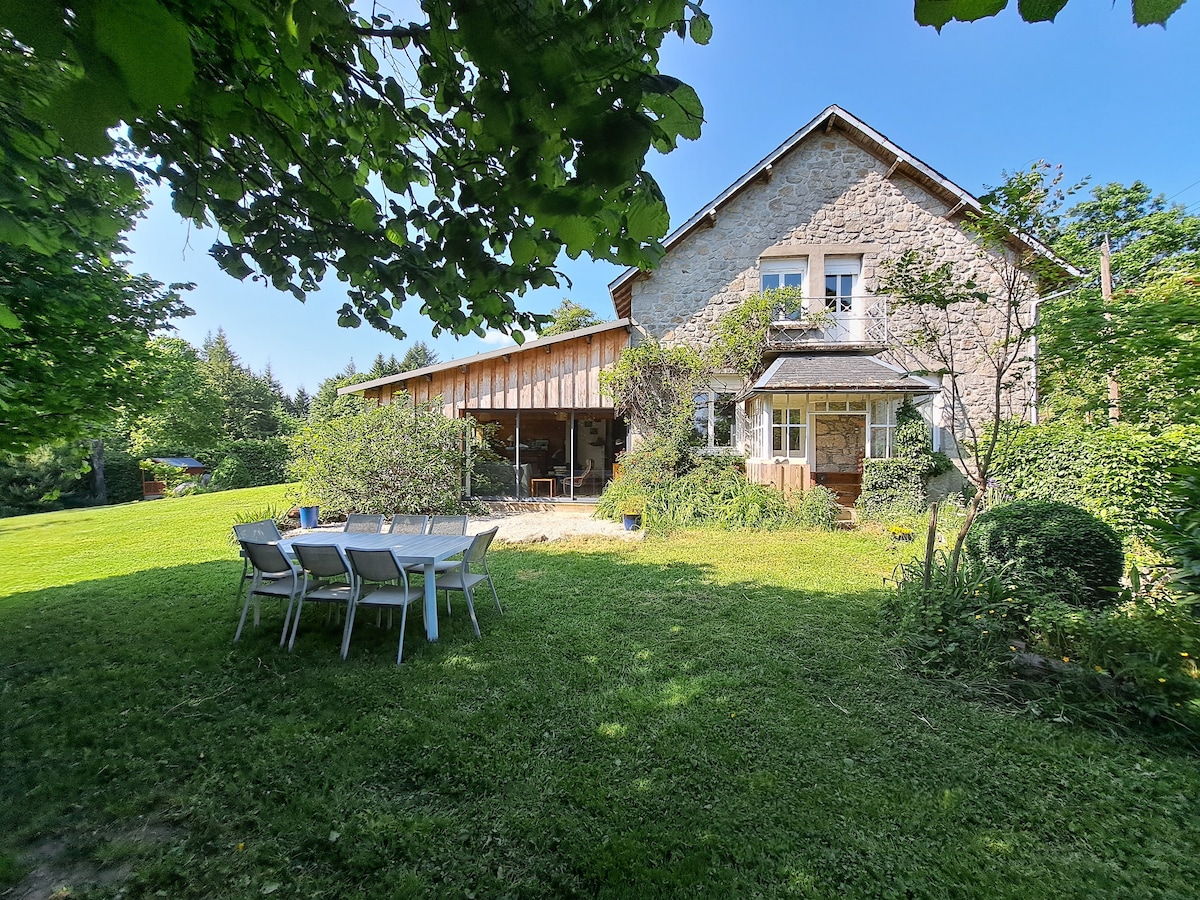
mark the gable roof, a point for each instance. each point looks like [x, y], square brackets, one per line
[540, 343]
[866, 137]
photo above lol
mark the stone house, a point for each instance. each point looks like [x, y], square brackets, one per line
[821, 213]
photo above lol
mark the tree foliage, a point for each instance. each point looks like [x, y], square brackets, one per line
[1148, 336]
[938, 12]
[74, 322]
[451, 159]
[653, 386]
[418, 356]
[569, 316]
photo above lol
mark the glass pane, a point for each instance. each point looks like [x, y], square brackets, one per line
[723, 411]
[796, 417]
[858, 405]
[831, 285]
[879, 443]
[770, 282]
[793, 279]
[777, 416]
[777, 440]
[700, 419]
[796, 441]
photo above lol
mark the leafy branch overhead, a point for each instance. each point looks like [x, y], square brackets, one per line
[938, 12]
[452, 160]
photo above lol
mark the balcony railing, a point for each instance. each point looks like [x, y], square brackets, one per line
[866, 322]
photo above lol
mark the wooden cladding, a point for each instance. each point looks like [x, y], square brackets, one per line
[787, 477]
[562, 375]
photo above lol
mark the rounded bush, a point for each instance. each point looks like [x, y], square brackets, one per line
[1052, 547]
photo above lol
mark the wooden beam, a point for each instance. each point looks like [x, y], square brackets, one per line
[765, 175]
[892, 170]
[957, 206]
[710, 218]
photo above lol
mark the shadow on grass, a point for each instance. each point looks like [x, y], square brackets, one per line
[625, 728]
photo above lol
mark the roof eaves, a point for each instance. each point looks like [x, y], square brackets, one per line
[482, 357]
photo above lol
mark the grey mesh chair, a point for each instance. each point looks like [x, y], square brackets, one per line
[447, 525]
[263, 532]
[461, 578]
[379, 581]
[326, 579]
[362, 523]
[274, 576]
[409, 524]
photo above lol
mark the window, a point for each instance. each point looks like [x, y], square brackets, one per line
[784, 273]
[789, 426]
[713, 419]
[883, 427]
[841, 277]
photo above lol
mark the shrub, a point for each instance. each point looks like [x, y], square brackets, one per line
[1178, 535]
[896, 487]
[43, 479]
[122, 476]
[1114, 471]
[404, 457]
[715, 492]
[1055, 548]
[252, 463]
[964, 620]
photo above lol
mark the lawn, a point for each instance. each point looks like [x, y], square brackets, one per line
[712, 715]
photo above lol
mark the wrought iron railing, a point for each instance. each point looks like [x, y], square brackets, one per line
[866, 322]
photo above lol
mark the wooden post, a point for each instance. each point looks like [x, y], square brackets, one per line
[1114, 388]
[930, 543]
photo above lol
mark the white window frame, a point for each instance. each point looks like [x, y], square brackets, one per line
[841, 267]
[790, 402]
[794, 267]
[711, 397]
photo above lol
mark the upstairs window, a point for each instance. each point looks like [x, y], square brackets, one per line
[841, 279]
[784, 273]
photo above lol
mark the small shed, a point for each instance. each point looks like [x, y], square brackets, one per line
[154, 490]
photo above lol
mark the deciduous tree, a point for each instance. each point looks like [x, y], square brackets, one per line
[451, 159]
[938, 12]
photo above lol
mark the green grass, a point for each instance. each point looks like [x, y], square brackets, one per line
[711, 715]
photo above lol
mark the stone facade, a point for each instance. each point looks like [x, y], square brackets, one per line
[828, 196]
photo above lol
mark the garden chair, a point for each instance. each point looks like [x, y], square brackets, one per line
[573, 484]
[263, 532]
[381, 581]
[274, 576]
[409, 524]
[326, 579]
[461, 578]
[362, 523]
[447, 525]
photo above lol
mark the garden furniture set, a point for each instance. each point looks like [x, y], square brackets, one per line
[365, 566]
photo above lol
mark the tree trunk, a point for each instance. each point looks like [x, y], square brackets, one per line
[961, 537]
[99, 487]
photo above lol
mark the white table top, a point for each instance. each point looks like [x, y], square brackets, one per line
[425, 549]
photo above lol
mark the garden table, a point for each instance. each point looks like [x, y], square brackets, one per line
[421, 549]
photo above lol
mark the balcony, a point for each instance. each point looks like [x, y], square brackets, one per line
[865, 324]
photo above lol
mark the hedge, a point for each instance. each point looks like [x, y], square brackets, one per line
[1118, 472]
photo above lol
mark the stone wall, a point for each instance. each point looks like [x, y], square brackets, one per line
[839, 442]
[826, 197]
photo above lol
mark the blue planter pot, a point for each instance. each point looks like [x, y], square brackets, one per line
[632, 522]
[308, 516]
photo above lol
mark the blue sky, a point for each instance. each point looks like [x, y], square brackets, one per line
[1107, 100]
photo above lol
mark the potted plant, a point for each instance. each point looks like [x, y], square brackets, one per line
[631, 512]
